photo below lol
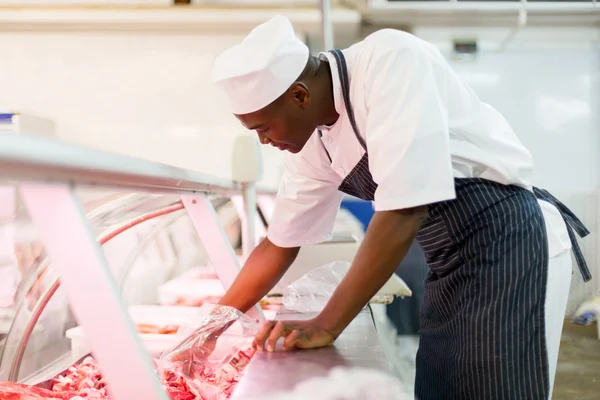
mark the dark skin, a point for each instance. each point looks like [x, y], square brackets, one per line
[288, 123]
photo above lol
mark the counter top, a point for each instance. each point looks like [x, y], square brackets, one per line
[357, 346]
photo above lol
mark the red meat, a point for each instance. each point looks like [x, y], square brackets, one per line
[85, 382]
[18, 391]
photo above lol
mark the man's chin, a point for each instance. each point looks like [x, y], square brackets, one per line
[296, 149]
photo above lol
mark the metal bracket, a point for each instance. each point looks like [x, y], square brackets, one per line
[213, 237]
[259, 230]
[93, 294]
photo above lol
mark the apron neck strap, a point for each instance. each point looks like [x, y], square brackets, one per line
[345, 83]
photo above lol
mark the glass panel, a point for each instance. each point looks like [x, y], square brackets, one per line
[141, 258]
[26, 256]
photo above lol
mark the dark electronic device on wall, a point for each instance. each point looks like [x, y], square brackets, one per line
[464, 48]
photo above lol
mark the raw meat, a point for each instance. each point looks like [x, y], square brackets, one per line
[17, 391]
[177, 387]
[85, 382]
[219, 384]
[158, 329]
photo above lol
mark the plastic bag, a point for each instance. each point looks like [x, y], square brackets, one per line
[215, 348]
[311, 292]
[346, 384]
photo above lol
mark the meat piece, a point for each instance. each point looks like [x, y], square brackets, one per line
[158, 329]
[180, 394]
[18, 391]
[85, 377]
[178, 387]
[85, 382]
[219, 384]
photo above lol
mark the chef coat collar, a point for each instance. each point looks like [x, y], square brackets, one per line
[338, 99]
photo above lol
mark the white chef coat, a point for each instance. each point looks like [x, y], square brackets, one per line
[423, 127]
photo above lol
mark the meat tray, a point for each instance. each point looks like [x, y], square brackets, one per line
[187, 291]
[154, 315]
[47, 384]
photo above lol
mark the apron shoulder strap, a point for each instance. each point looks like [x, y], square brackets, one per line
[345, 83]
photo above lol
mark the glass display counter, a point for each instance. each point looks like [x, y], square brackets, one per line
[93, 245]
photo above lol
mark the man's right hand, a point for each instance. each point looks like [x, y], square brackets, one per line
[192, 353]
[264, 268]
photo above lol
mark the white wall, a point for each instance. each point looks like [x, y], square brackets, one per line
[547, 84]
[144, 94]
[149, 94]
[137, 80]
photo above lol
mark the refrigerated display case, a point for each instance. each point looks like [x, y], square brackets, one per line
[141, 258]
[150, 223]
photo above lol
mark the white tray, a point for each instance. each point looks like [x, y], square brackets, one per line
[155, 343]
[192, 290]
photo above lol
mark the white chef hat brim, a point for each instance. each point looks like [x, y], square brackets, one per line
[262, 67]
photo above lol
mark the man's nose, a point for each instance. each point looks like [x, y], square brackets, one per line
[263, 139]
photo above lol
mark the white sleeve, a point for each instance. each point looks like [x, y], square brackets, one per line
[407, 128]
[307, 203]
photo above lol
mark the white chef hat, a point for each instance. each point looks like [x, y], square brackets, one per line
[262, 67]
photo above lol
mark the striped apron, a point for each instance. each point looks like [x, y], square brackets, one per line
[482, 321]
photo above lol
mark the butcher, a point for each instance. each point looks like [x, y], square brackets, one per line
[387, 120]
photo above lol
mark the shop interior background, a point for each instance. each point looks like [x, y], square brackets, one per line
[134, 77]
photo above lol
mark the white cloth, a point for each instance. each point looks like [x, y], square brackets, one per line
[560, 270]
[423, 127]
[262, 67]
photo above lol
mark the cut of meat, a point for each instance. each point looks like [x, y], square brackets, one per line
[178, 387]
[85, 382]
[18, 391]
[158, 329]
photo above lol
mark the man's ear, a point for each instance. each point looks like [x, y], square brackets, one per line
[300, 94]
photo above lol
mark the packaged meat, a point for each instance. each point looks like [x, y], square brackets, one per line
[213, 351]
[85, 382]
[157, 329]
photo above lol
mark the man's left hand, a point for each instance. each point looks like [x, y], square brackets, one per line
[296, 334]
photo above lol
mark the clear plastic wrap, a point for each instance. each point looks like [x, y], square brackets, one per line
[346, 384]
[215, 348]
[311, 292]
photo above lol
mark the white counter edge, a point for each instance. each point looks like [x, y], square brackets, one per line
[31, 158]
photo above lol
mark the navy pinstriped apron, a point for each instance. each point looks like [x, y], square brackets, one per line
[482, 331]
